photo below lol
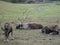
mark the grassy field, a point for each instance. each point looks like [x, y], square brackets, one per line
[41, 13]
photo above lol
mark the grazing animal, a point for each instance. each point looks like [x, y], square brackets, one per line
[7, 30]
[29, 26]
[51, 29]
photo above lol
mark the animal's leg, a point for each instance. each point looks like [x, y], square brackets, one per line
[12, 35]
[6, 36]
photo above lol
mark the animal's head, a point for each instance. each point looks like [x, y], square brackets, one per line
[19, 26]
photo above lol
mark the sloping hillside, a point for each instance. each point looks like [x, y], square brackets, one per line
[41, 13]
[29, 12]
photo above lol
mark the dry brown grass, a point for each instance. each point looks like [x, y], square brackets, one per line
[31, 37]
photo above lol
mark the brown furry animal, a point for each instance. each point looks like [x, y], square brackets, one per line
[7, 29]
[35, 26]
[29, 26]
[50, 29]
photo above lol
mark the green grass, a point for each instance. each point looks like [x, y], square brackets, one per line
[33, 12]
[40, 13]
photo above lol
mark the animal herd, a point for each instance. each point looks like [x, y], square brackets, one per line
[8, 28]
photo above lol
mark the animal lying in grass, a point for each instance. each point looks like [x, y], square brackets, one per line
[53, 29]
[7, 30]
[29, 26]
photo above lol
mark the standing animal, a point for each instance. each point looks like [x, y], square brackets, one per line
[7, 30]
[50, 29]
